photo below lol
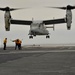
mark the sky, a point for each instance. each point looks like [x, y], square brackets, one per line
[37, 9]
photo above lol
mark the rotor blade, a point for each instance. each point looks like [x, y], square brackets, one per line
[58, 7]
[68, 7]
[3, 9]
[10, 9]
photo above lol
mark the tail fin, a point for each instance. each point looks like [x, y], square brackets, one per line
[32, 19]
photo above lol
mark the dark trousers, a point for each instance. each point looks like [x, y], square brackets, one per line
[16, 46]
[19, 46]
[4, 46]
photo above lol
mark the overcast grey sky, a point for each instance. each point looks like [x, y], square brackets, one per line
[37, 10]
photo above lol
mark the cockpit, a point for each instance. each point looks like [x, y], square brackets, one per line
[37, 25]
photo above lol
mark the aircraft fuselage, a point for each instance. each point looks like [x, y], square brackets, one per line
[38, 29]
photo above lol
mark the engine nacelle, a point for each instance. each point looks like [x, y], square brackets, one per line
[69, 25]
[69, 19]
[7, 17]
[7, 24]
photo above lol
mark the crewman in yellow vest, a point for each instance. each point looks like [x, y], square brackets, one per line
[5, 42]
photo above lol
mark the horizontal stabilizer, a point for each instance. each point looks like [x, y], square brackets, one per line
[50, 27]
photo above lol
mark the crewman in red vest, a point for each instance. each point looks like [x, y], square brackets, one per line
[17, 43]
[20, 44]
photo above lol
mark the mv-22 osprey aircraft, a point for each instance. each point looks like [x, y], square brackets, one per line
[38, 28]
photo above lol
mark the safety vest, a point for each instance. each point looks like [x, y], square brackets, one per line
[20, 41]
[17, 41]
[5, 41]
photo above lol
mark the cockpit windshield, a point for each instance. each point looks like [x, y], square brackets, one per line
[39, 25]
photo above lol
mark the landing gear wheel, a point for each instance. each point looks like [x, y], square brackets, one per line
[31, 37]
[34, 35]
[47, 36]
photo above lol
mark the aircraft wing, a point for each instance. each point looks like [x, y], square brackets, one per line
[23, 22]
[54, 21]
[46, 22]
